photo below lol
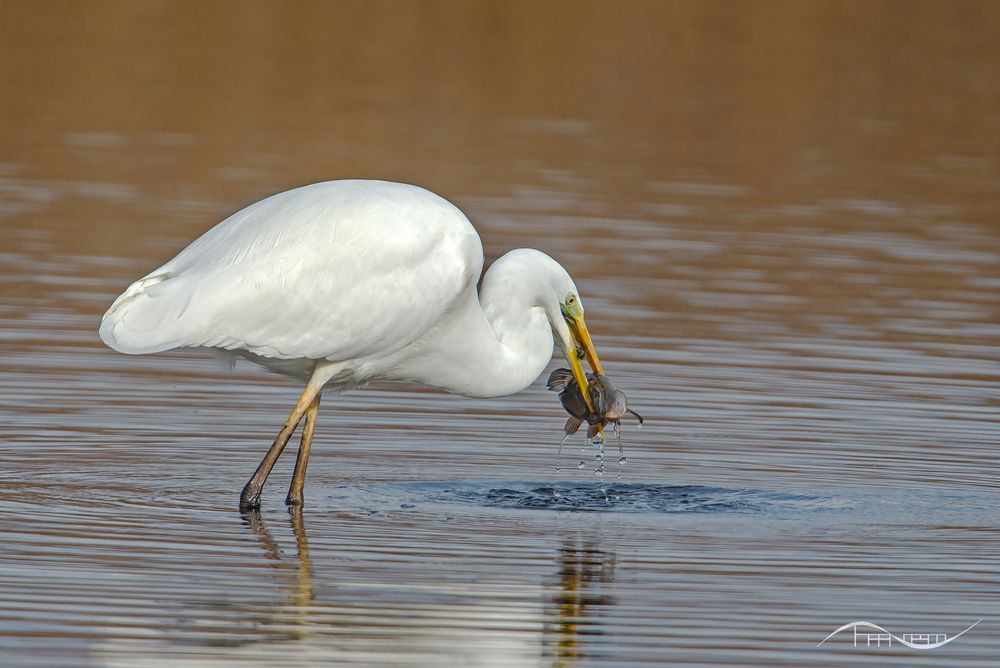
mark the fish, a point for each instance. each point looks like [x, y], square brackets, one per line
[610, 403]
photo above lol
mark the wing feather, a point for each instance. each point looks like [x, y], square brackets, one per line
[336, 270]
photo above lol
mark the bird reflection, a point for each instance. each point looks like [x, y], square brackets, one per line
[583, 568]
[297, 574]
[560, 627]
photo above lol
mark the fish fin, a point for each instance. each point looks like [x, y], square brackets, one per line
[635, 415]
[559, 379]
[594, 428]
[573, 425]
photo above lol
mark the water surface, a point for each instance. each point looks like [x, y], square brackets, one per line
[782, 218]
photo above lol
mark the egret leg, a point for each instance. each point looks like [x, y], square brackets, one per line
[250, 498]
[295, 490]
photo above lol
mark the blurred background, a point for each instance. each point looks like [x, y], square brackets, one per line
[784, 218]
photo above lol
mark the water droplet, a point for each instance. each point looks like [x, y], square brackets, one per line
[559, 454]
[599, 462]
[639, 426]
[622, 459]
[582, 465]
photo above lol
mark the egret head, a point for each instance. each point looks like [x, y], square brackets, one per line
[564, 309]
[528, 277]
[576, 342]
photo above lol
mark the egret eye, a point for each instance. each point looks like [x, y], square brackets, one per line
[571, 307]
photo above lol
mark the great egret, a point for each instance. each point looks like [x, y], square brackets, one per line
[345, 282]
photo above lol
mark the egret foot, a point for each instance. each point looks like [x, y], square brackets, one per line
[250, 498]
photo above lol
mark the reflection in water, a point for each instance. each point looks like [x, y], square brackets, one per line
[581, 566]
[297, 576]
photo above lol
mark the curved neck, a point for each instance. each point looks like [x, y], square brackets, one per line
[490, 345]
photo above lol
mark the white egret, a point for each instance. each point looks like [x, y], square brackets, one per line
[345, 282]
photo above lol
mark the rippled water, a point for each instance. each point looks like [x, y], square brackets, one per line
[784, 222]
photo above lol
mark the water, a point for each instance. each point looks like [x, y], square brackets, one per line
[783, 221]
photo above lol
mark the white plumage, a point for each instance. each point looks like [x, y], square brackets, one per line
[271, 279]
[348, 281]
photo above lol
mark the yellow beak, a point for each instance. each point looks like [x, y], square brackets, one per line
[581, 337]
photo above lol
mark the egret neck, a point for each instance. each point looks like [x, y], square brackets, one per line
[498, 341]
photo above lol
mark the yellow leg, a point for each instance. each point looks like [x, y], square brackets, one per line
[295, 490]
[250, 498]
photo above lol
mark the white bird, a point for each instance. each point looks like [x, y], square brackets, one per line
[345, 282]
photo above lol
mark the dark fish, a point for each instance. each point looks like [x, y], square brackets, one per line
[610, 404]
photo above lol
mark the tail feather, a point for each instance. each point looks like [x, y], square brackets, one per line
[144, 318]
